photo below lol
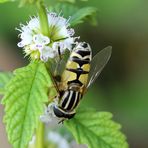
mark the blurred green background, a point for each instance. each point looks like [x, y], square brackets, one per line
[122, 87]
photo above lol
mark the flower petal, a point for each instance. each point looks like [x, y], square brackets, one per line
[47, 52]
[41, 39]
[34, 24]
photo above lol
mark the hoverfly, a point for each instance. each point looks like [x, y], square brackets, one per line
[80, 71]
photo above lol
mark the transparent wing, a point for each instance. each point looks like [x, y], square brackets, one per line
[58, 67]
[58, 64]
[98, 63]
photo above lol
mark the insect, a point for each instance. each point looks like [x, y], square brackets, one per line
[77, 74]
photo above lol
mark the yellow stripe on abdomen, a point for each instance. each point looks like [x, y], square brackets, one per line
[83, 79]
[71, 64]
[68, 76]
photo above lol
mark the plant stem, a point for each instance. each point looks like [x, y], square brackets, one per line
[40, 135]
[42, 17]
[45, 31]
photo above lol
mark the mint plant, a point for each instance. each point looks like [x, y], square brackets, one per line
[29, 90]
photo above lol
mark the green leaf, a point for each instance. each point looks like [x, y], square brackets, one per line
[26, 2]
[96, 129]
[24, 102]
[76, 15]
[3, 1]
[4, 79]
[70, 1]
[66, 9]
[82, 14]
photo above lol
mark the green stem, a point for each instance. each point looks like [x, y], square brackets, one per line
[40, 136]
[43, 17]
[45, 31]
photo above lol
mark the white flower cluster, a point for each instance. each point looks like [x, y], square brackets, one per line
[54, 138]
[39, 46]
[58, 139]
[49, 116]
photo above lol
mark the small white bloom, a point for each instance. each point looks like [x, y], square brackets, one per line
[40, 39]
[43, 47]
[58, 140]
[49, 115]
[40, 42]
[26, 37]
[68, 43]
[34, 24]
[32, 140]
[46, 52]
